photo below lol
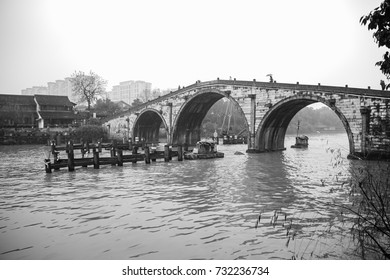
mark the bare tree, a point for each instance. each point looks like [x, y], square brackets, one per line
[88, 87]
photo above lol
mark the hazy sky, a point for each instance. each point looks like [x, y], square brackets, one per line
[171, 43]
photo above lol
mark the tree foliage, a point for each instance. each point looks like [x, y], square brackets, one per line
[105, 107]
[312, 120]
[90, 133]
[379, 21]
[88, 87]
[136, 102]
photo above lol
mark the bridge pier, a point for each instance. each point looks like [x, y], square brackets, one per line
[252, 128]
[365, 112]
[169, 130]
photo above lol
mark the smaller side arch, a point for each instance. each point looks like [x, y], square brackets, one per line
[147, 126]
[272, 129]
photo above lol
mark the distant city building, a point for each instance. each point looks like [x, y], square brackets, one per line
[128, 91]
[57, 88]
[34, 90]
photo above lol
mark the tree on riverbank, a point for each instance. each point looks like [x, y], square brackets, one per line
[379, 21]
[88, 87]
[313, 120]
[370, 183]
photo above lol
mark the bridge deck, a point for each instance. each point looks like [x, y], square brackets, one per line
[361, 92]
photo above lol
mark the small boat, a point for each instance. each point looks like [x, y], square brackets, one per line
[204, 150]
[301, 141]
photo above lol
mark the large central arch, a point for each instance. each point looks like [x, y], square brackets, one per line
[187, 125]
[272, 129]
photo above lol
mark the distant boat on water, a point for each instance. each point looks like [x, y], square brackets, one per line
[301, 141]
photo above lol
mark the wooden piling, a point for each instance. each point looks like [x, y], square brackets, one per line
[166, 153]
[87, 147]
[120, 157]
[130, 144]
[83, 151]
[113, 150]
[95, 159]
[70, 155]
[53, 147]
[47, 166]
[54, 153]
[180, 153]
[147, 155]
[117, 157]
[134, 152]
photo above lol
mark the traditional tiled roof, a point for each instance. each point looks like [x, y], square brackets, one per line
[17, 99]
[54, 100]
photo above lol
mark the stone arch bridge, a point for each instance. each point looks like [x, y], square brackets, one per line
[268, 108]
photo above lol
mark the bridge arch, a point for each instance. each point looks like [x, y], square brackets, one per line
[272, 129]
[187, 124]
[147, 125]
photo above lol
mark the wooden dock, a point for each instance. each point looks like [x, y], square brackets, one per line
[119, 153]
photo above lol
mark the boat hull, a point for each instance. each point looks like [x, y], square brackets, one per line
[192, 156]
[299, 146]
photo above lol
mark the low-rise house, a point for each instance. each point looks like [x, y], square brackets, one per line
[18, 111]
[26, 111]
[54, 111]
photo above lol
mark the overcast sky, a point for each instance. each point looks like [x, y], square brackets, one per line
[171, 43]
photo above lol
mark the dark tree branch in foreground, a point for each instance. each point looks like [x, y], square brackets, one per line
[379, 21]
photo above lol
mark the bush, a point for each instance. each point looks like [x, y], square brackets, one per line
[369, 184]
[371, 206]
[90, 133]
[94, 121]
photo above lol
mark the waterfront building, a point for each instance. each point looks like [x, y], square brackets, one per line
[54, 111]
[27, 111]
[17, 111]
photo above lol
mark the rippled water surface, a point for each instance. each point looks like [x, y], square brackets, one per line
[205, 209]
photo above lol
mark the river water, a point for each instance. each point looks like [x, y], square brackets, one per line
[204, 209]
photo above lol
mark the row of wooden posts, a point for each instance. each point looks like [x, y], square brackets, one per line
[117, 155]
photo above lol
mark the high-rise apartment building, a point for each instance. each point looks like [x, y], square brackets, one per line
[128, 91]
[58, 88]
[34, 90]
